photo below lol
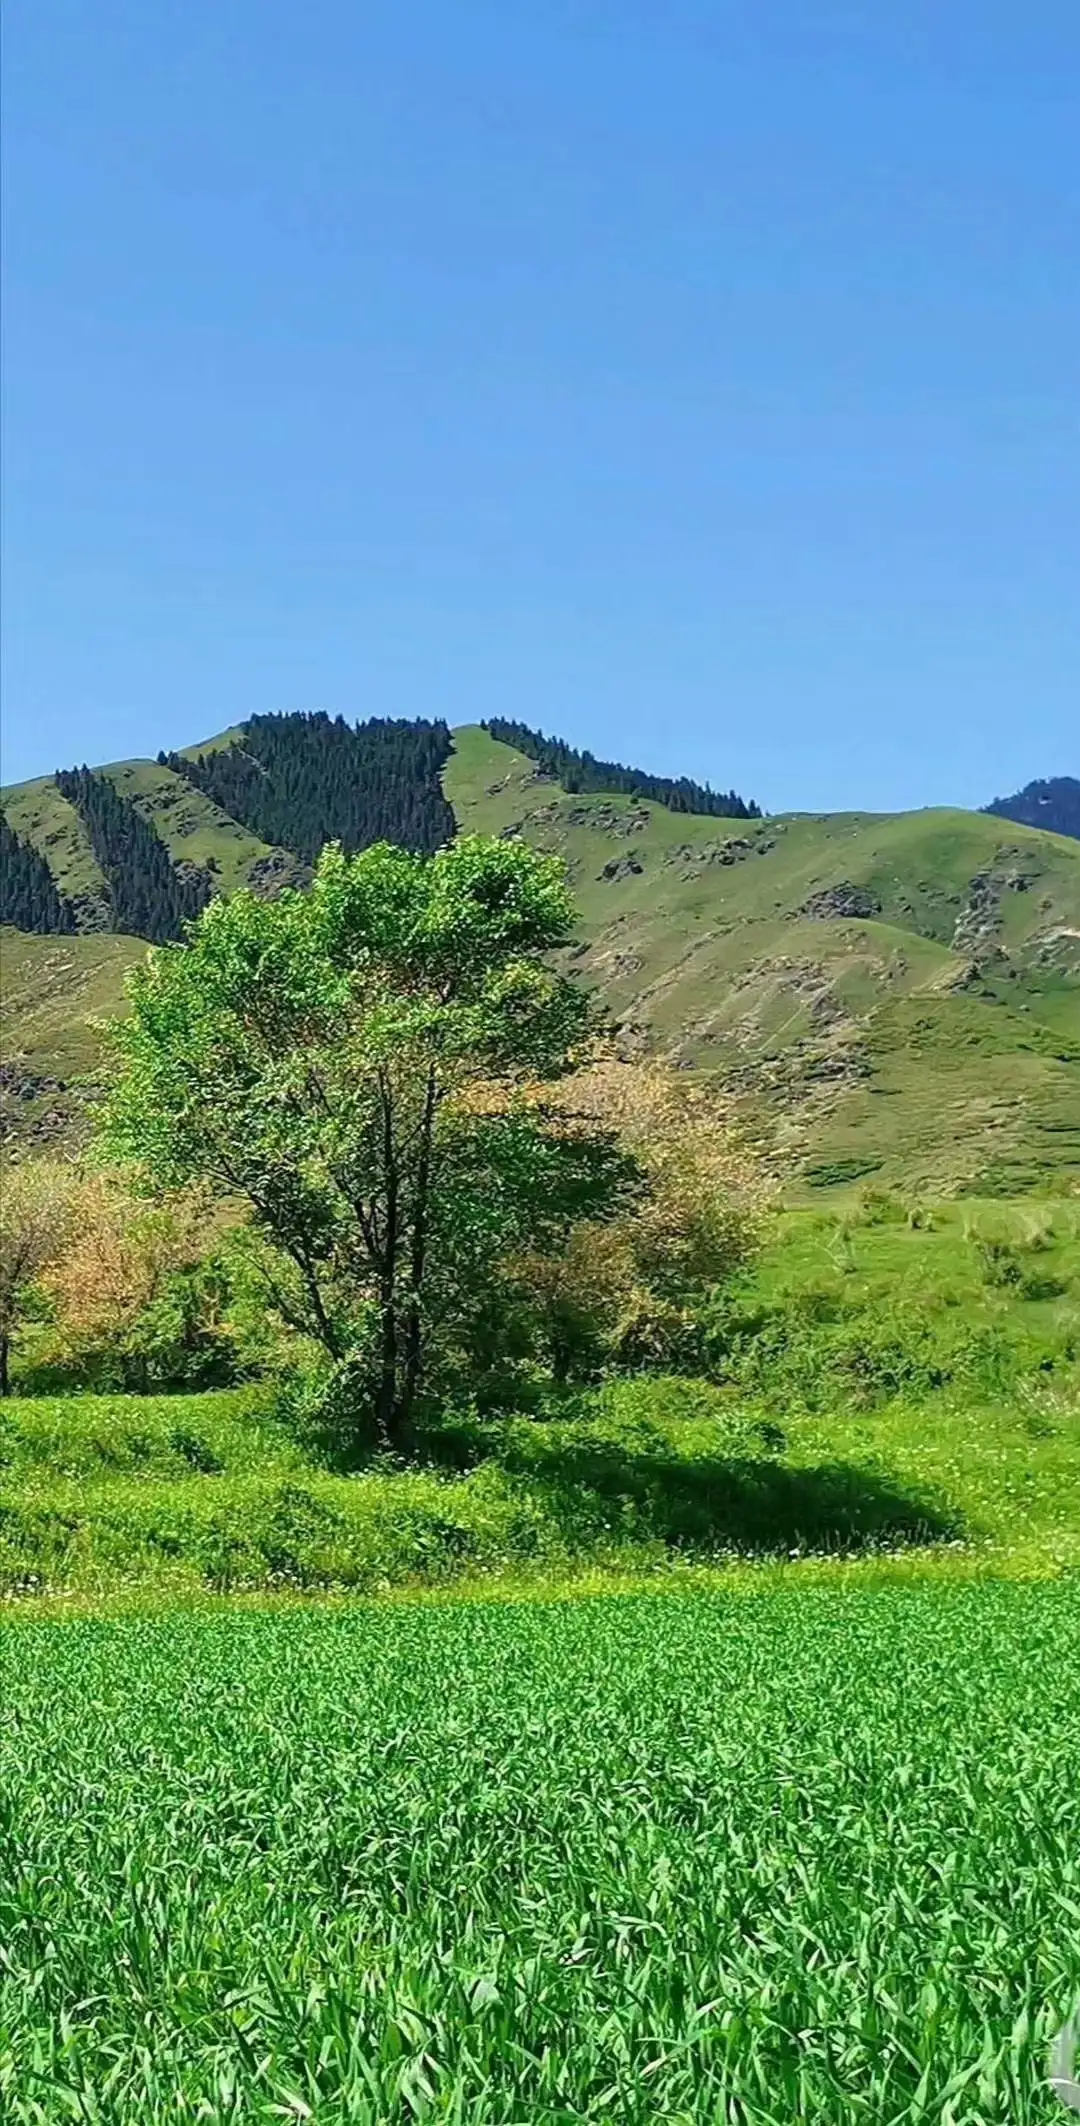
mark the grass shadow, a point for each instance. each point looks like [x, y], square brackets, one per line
[597, 1488]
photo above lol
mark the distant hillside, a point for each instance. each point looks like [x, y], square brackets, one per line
[149, 895]
[55, 993]
[1054, 804]
[582, 772]
[891, 997]
[894, 998]
[28, 895]
[138, 847]
[300, 781]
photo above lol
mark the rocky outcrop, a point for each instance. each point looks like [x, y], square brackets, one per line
[843, 902]
[621, 867]
[35, 1109]
[269, 875]
[735, 850]
[978, 926]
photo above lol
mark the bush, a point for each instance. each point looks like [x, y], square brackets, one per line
[809, 1350]
[999, 1263]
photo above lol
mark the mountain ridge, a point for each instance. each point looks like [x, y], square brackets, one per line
[881, 995]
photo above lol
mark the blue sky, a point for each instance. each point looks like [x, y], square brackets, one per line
[700, 381]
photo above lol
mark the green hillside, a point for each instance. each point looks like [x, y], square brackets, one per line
[194, 830]
[55, 992]
[39, 815]
[887, 997]
[896, 996]
[197, 831]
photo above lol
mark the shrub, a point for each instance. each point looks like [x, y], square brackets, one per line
[633, 1291]
[139, 1295]
[1000, 1263]
[808, 1350]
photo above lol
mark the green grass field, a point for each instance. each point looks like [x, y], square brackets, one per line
[813, 1855]
[706, 1754]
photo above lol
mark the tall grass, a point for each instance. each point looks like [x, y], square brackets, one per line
[810, 1857]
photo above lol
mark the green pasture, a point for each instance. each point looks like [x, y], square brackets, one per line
[813, 1855]
[889, 1397]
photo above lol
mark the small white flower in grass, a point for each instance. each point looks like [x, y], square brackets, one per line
[1064, 2067]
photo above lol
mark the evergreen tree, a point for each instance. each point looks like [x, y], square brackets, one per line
[583, 772]
[299, 781]
[150, 898]
[28, 893]
[1054, 804]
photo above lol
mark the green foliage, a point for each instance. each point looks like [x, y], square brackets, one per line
[350, 1064]
[36, 1210]
[1000, 1263]
[301, 781]
[839, 1173]
[817, 1354]
[892, 1404]
[181, 1339]
[871, 1306]
[810, 1856]
[159, 1438]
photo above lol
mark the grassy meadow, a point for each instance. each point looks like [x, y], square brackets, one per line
[899, 1396]
[810, 1855]
[696, 1751]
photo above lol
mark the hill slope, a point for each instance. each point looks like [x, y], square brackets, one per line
[55, 992]
[893, 995]
[896, 996]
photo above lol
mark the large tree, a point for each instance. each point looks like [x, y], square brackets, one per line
[352, 1064]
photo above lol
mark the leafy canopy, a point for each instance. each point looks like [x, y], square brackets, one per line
[350, 1062]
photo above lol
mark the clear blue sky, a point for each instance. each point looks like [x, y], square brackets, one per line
[698, 380]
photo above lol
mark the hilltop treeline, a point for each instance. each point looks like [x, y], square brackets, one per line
[301, 780]
[149, 897]
[583, 772]
[28, 893]
[1054, 804]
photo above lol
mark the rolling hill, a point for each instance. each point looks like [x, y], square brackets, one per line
[887, 996]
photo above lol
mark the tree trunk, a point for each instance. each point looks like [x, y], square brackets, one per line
[414, 1328]
[388, 1415]
[386, 1400]
[5, 1377]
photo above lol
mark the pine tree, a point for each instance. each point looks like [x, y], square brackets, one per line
[582, 772]
[29, 897]
[299, 781]
[150, 898]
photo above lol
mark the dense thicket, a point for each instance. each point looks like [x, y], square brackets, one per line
[28, 893]
[583, 772]
[149, 897]
[300, 781]
[1054, 804]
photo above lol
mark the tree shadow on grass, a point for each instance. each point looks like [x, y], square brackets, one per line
[598, 1489]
